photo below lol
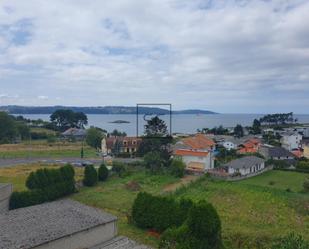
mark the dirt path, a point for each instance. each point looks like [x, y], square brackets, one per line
[183, 182]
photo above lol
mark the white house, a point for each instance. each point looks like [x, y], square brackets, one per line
[196, 161]
[196, 152]
[245, 165]
[291, 140]
[229, 145]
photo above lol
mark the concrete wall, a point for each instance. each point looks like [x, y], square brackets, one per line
[84, 239]
[206, 160]
[5, 193]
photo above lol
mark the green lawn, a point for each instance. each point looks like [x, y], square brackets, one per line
[252, 216]
[253, 213]
[59, 153]
[279, 180]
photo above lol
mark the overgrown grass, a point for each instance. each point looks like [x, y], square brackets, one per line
[282, 180]
[41, 149]
[253, 213]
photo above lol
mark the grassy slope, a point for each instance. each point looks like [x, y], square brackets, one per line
[252, 215]
[114, 197]
[279, 180]
[252, 212]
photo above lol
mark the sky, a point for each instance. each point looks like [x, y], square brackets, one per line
[228, 56]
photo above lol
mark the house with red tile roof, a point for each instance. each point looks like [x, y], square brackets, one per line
[251, 145]
[196, 152]
[118, 145]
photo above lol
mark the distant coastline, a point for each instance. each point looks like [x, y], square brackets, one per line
[14, 109]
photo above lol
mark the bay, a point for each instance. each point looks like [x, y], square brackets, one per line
[178, 123]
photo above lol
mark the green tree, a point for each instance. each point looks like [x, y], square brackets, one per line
[238, 131]
[156, 127]
[90, 176]
[8, 129]
[94, 137]
[103, 172]
[177, 168]
[156, 139]
[256, 127]
[63, 119]
[153, 161]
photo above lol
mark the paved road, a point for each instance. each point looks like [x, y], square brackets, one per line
[73, 161]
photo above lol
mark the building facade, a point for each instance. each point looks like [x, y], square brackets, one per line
[245, 166]
[291, 141]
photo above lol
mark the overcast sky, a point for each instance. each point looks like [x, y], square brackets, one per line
[234, 56]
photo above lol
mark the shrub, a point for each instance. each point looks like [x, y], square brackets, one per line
[292, 241]
[201, 230]
[159, 213]
[153, 161]
[119, 168]
[90, 176]
[304, 165]
[27, 198]
[45, 185]
[102, 172]
[204, 224]
[177, 168]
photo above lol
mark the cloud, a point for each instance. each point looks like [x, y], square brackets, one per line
[227, 55]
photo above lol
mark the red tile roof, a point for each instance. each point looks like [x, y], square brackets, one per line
[199, 142]
[190, 153]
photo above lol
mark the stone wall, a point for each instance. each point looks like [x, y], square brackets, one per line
[5, 193]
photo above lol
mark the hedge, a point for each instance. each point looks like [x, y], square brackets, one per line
[159, 213]
[103, 172]
[90, 176]
[45, 185]
[201, 230]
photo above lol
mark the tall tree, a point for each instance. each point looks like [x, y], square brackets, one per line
[239, 131]
[156, 127]
[94, 137]
[63, 119]
[256, 127]
[8, 129]
[157, 140]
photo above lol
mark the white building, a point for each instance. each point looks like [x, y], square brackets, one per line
[245, 165]
[291, 140]
[196, 161]
[229, 145]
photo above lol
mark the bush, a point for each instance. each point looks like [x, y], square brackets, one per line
[153, 161]
[177, 168]
[159, 213]
[303, 165]
[90, 176]
[204, 224]
[201, 230]
[102, 172]
[292, 241]
[45, 185]
[27, 198]
[119, 168]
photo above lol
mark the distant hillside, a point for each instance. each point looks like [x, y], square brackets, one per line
[13, 109]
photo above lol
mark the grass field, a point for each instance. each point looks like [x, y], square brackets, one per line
[43, 150]
[278, 180]
[253, 213]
